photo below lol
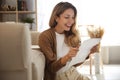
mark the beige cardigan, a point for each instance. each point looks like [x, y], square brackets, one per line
[47, 43]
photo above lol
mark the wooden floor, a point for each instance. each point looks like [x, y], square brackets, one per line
[109, 72]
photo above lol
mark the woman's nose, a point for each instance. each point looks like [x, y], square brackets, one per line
[71, 20]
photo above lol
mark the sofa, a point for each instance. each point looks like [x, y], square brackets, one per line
[35, 49]
[20, 56]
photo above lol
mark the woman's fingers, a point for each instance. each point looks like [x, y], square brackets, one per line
[94, 49]
[73, 52]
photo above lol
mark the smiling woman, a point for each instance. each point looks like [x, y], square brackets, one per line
[60, 43]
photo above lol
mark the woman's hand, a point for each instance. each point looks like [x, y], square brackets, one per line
[72, 53]
[94, 49]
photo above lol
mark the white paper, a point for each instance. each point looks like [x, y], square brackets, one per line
[84, 50]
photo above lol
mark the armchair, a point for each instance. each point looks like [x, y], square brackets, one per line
[17, 59]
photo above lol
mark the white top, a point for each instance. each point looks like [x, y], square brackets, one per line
[62, 50]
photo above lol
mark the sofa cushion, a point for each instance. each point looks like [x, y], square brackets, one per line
[35, 37]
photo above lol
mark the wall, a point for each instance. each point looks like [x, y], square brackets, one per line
[114, 55]
[111, 54]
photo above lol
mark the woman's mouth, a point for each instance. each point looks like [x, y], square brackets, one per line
[68, 25]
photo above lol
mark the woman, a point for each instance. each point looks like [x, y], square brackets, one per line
[60, 43]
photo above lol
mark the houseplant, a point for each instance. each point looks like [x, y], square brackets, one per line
[28, 20]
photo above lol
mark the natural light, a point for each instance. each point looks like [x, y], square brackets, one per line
[90, 12]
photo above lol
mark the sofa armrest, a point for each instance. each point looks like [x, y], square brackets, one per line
[38, 65]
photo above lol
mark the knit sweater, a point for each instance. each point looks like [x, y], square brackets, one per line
[47, 43]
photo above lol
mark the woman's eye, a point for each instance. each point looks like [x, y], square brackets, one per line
[69, 17]
[66, 17]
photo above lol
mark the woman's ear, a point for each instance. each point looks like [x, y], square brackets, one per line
[56, 18]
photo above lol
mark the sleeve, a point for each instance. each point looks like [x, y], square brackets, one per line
[46, 46]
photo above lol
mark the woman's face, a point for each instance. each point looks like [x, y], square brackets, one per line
[65, 20]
